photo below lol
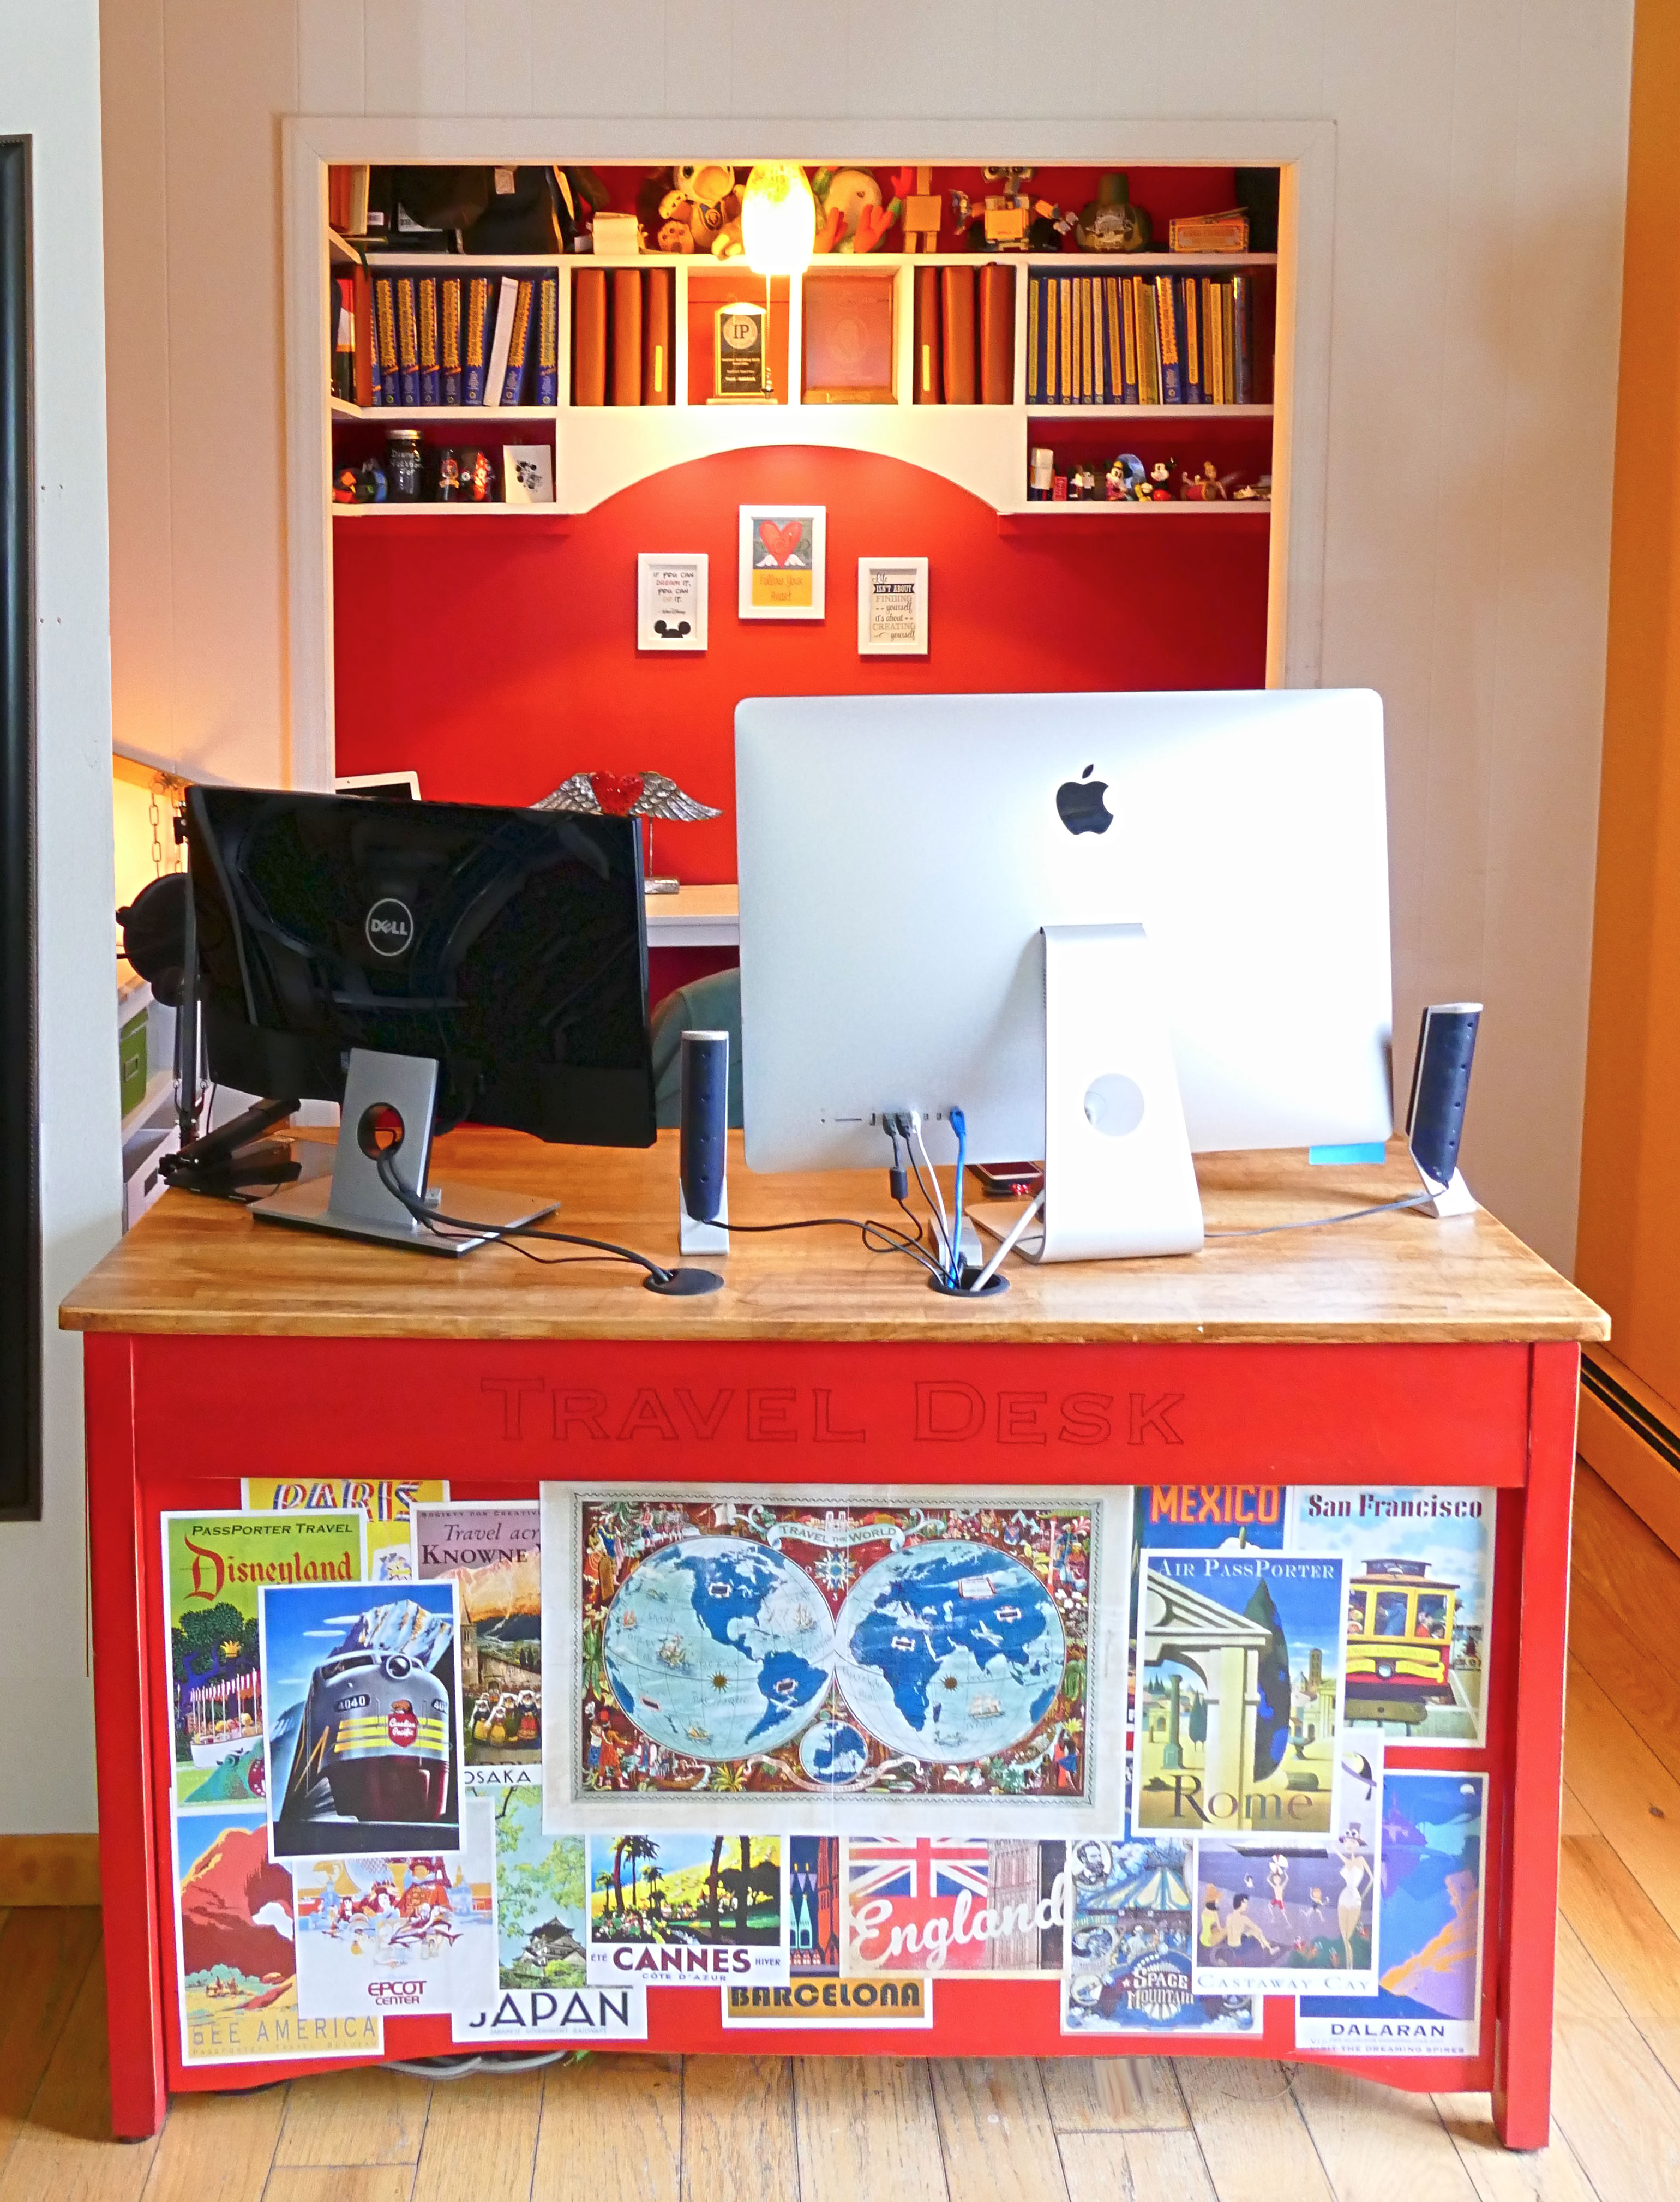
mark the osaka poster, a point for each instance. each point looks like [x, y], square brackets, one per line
[799, 1663]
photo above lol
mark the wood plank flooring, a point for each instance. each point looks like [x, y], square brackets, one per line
[867, 2129]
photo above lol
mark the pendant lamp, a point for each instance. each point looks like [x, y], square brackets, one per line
[778, 218]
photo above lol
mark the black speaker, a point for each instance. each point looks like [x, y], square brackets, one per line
[1434, 1121]
[705, 1120]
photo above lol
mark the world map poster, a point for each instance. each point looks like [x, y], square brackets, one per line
[799, 1662]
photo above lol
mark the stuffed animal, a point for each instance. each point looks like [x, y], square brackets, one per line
[850, 213]
[701, 212]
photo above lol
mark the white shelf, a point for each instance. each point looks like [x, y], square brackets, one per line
[397, 415]
[464, 263]
[341, 408]
[340, 251]
[1092, 508]
[160, 1086]
[395, 510]
[1052, 409]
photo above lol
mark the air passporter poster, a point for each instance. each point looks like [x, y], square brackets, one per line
[797, 1664]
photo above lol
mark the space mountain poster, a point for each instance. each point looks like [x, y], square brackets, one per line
[794, 1662]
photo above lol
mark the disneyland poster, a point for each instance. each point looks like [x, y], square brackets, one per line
[362, 1719]
[490, 1554]
[1428, 1935]
[213, 1565]
[685, 1911]
[396, 1936]
[1129, 1958]
[235, 1952]
[1238, 1727]
[943, 1904]
[818, 1664]
[1275, 1920]
[1420, 1583]
[386, 1501]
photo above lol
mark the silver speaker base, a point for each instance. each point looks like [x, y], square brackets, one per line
[305, 1207]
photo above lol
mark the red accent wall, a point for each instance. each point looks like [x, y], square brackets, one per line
[497, 657]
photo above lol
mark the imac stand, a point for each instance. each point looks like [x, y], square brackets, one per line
[387, 1112]
[1118, 1180]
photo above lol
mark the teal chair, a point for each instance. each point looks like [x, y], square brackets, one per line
[710, 1004]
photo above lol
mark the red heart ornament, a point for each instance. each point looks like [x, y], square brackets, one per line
[617, 794]
[781, 542]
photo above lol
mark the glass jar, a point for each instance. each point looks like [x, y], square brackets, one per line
[403, 466]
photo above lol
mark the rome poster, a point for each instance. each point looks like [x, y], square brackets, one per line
[812, 1663]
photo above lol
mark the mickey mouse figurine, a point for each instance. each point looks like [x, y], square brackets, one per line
[1160, 480]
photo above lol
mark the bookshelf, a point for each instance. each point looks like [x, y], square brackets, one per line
[602, 449]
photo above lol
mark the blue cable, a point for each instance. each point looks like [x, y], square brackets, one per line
[959, 1126]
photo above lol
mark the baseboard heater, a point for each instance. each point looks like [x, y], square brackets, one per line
[1646, 1426]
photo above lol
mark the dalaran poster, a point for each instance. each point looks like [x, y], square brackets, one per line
[362, 1719]
[1239, 1695]
[1130, 1945]
[214, 1566]
[235, 1949]
[799, 1664]
[386, 1500]
[1428, 1935]
[490, 1554]
[1420, 1582]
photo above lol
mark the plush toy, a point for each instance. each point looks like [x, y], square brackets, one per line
[849, 214]
[1160, 481]
[701, 212]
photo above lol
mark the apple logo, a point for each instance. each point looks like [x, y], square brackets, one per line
[1080, 801]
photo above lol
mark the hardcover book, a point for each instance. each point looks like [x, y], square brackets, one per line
[449, 314]
[430, 386]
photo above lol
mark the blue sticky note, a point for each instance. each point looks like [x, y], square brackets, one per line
[1374, 1152]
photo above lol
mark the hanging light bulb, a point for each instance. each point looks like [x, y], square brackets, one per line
[778, 218]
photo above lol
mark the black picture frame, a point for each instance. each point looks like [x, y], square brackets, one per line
[20, 1196]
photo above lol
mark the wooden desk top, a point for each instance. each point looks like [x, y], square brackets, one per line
[202, 1267]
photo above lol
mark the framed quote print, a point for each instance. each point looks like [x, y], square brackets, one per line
[892, 606]
[783, 550]
[671, 600]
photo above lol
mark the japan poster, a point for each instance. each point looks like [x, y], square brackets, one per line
[819, 1664]
[214, 1566]
[1239, 1695]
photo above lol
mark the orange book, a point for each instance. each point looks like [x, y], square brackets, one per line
[589, 337]
[627, 335]
[658, 303]
[929, 366]
[956, 317]
[997, 335]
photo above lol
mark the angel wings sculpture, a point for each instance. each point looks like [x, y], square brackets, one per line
[626, 795]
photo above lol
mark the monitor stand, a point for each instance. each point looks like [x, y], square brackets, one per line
[387, 1095]
[1118, 1180]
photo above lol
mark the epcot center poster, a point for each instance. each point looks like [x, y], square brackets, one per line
[809, 1661]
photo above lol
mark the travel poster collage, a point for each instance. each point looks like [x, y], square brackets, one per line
[827, 1755]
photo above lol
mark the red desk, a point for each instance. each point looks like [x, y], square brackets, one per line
[1395, 1350]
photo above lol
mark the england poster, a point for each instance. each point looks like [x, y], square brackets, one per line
[819, 1664]
[213, 1565]
[235, 1952]
[678, 1909]
[1277, 1920]
[945, 1904]
[490, 1554]
[398, 1935]
[1239, 1696]
[362, 1720]
[1130, 1946]
[386, 1501]
[1429, 1936]
[1420, 1584]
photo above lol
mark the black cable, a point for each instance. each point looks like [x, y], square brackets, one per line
[892, 1240]
[505, 1235]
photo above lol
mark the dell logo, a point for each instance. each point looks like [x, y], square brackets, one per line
[389, 926]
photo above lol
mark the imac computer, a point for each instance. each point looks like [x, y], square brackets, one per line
[1111, 929]
[453, 962]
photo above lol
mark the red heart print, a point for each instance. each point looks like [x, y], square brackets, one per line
[781, 542]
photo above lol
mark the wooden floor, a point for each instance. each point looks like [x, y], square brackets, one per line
[744, 2129]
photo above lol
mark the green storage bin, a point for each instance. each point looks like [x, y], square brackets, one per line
[132, 1060]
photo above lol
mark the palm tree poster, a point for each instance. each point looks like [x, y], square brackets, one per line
[802, 1664]
[677, 1908]
[1279, 1922]
[490, 1554]
[1241, 1657]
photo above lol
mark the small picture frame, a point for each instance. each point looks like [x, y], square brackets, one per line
[528, 474]
[783, 560]
[671, 590]
[892, 606]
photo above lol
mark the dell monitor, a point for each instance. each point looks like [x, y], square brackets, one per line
[901, 858]
[510, 947]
